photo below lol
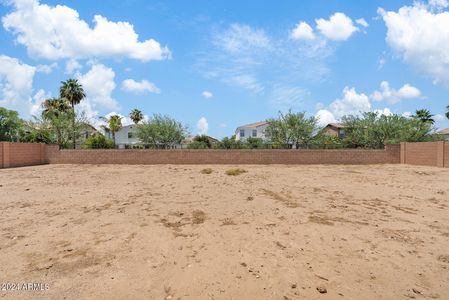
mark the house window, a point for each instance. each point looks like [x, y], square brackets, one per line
[242, 133]
[341, 133]
[130, 135]
[254, 133]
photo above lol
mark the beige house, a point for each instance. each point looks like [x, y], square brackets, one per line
[253, 130]
[335, 129]
[445, 133]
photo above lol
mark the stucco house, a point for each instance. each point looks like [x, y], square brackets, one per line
[335, 129]
[445, 133]
[254, 130]
[126, 136]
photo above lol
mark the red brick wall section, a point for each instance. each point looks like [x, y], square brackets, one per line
[391, 155]
[22, 154]
[446, 154]
[1, 155]
[425, 154]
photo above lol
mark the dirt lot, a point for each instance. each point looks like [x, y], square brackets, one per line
[275, 232]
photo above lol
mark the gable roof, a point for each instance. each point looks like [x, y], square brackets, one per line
[444, 131]
[336, 125]
[255, 125]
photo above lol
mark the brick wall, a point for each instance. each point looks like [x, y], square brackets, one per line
[390, 155]
[426, 154]
[21, 154]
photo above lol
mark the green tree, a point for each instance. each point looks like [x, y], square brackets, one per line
[73, 91]
[197, 145]
[254, 143]
[373, 130]
[10, 125]
[424, 116]
[203, 139]
[161, 131]
[447, 112]
[136, 116]
[98, 141]
[292, 129]
[114, 124]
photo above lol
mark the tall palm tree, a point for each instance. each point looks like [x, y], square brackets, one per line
[447, 112]
[424, 115]
[136, 115]
[114, 123]
[73, 91]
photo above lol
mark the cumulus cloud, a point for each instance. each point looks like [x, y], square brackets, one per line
[99, 84]
[38, 99]
[72, 66]
[46, 69]
[202, 125]
[393, 96]
[57, 32]
[207, 94]
[16, 84]
[386, 111]
[420, 36]
[339, 27]
[325, 117]
[140, 87]
[302, 31]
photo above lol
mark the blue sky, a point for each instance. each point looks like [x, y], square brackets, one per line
[215, 65]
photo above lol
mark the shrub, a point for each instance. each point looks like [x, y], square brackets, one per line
[235, 172]
[206, 171]
[98, 141]
[197, 145]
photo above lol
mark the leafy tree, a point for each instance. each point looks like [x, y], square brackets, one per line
[73, 91]
[10, 125]
[161, 131]
[136, 116]
[38, 131]
[114, 123]
[424, 116]
[447, 112]
[98, 141]
[203, 139]
[254, 143]
[373, 130]
[292, 129]
[324, 140]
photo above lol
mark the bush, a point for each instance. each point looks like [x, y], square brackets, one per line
[197, 145]
[98, 141]
[235, 172]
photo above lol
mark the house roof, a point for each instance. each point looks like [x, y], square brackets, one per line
[336, 125]
[255, 125]
[444, 131]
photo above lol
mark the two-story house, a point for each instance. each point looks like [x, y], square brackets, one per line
[254, 130]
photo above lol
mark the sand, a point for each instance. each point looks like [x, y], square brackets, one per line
[274, 232]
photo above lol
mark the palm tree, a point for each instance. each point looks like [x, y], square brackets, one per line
[424, 115]
[136, 115]
[114, 125]
[447, 113]
[73, 91]
[53, 110]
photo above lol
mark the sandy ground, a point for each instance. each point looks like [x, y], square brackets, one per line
[275, 232]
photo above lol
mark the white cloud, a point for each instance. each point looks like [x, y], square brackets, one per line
[386, 111]
[72, 66]
[302, 31]
[240, 37]
[57, 32]
[202, 125]
[285, 96]
[438, 3]
[140, 87]
[339, 27]
[393, 96]
[362, 22]
[39, 98]
[421, 37]
[46, 69]
[325, 117]
[16, 84]
[352, 103]
[246, 81]
[99, 84]
[207, 94]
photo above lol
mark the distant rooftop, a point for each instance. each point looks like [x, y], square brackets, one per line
[336, 125]
[255, 125]
[444, 131]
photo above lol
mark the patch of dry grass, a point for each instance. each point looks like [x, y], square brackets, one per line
[207, 171]
[198, 217]
[235, 172]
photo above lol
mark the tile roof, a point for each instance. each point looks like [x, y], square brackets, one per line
[255, 125]
[444, 131]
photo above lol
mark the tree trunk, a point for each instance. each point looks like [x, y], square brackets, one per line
[113, 137]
